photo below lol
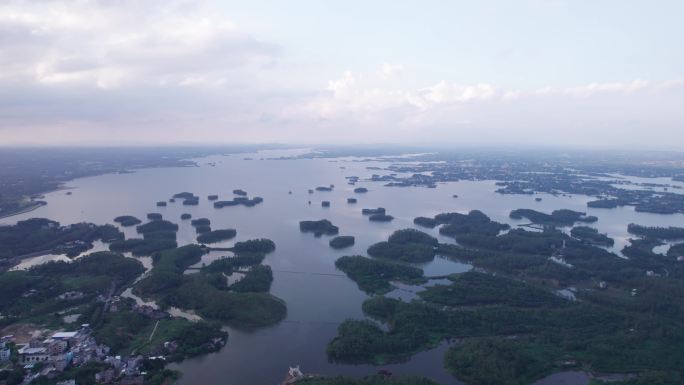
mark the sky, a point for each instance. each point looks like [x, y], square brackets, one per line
[594, 73]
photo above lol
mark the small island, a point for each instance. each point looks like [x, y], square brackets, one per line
[360, 190]
[212, 197]
[217, 236]
[563, 217]
[374, 276]
[325, 203]
[407, 245]
[154, 216]
[161, 204]
[351, 200]
[127, 220]
[319, 228]
[244, 201]
[342, 241]
[185, 216]
[380, 218]
[425, 222]
[200, 222]
[379, 210]
[240, 192]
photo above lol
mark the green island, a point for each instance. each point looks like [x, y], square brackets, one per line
[319, 227]
[407, 245]
[342, 241]
[217, 236]
[513, 325]
[374, 276]
[591, 235]
[379, 210]
[430, 223]
[200, 222]
[663, 233]
[127, 220]
[207, 293]
[563, 217]
[39, 236]
[380, 218]
[240, 200]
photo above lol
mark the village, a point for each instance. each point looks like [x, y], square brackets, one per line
[51, 356]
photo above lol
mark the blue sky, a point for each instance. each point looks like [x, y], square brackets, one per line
[540, 72]
[510, 43]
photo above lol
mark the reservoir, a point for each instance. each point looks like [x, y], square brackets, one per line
[318, 296]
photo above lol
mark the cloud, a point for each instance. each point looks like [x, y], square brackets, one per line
[111, 44]
[614, 113]
[389, 71]
[128, 71]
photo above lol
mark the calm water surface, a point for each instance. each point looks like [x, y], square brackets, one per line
[318, 296]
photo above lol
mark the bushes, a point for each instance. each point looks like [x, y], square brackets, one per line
[374, 276]
[342, 241]
[217, 236]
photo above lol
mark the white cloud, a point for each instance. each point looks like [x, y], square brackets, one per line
[170, 70]
[389, 71]
[110, 44]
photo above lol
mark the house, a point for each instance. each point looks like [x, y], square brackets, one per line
[29, 354]
[5, 352]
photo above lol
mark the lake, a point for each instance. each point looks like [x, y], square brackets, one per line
[318, 296]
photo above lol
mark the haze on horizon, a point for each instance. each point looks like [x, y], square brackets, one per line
[531, 72]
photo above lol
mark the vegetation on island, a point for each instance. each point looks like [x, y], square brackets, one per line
[241, 200]
[140, 247]
[319, 227]
[127, 220]
[360, 190]
[240, 192]
[217, 236]
[425, 222]
[379, 210]
[154, 217]
[563, 217]
[161, 204]
[663, 233]
[261, 245]
[200, 222]
[591, 235]
[352, 200]
[374, 276]
[380, 218]
[408, 245]
[185, 216]
[184, 195]
[127, 331]
[203, 229]
[207, 292]
[36, 295]
[513, 325]
[342, 241]
[40, 235]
